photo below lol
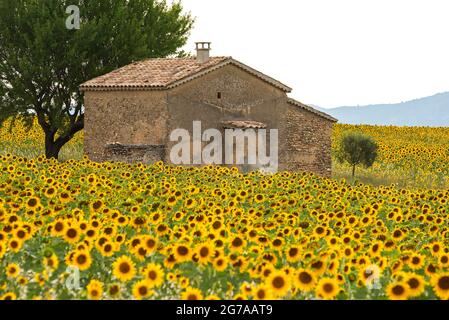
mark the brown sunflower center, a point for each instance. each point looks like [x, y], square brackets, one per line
[143, 290]
[305, 277]
[237, 242]
[152, 275]
[204, 252]
[413, 283]
[443, 283]
[278, 282]
[81, 259]
[328, 287]
[398, 290]
[72, 233]
[182, 250]
[124, 267]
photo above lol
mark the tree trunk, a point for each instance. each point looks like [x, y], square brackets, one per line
[353, 173]
[51, 148]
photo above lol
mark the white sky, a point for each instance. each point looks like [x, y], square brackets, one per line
[334, 52]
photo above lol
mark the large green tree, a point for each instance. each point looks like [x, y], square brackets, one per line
[42, 62]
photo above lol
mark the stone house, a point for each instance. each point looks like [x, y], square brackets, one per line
[130, 112]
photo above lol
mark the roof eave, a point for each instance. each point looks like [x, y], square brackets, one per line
[226, 62]
[311, 109]
[121, 88]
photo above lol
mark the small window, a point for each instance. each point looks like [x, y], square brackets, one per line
[218, 95]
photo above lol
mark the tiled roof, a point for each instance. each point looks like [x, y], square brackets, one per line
[166, 73]
[313, 110]
[243, 124]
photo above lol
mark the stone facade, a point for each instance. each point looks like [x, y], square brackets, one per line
[134, 125]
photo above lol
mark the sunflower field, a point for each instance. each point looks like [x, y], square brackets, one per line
[77, 229]
[412, 157]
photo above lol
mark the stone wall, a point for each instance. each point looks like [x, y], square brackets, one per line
[126, 117]
[134, 153]
[305, 142]
[228, 93]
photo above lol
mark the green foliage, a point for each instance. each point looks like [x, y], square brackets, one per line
[356, 149]
[42, 63]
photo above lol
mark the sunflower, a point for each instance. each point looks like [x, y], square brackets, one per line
[240, 296]
[107, 249]
[65, 197]
[72, 235]
[262, 292]
[59, 227]
[318, 267]
[416, 261]
[203, 253]
[191, 294]
[183, 282]
[9, 296]
[124, 269]
[12, 270]
[397, 291]
[327, 288]
[94, 290]
[50, 192]
[154, 275]
[182, 253]
[141, 290]
[23, 281]
[2, 249]
[82, 260]
[376, 248]
[22, 234]
[189, 203]
[293, 254]
[258, 198]
[220, 263]
[150, 243]
[41, 278]
[140, 253]
[431, 269]
[436, 248]
[440, 283]
[416, 284]
[51, 261]
[444, 260]
[32, 203]
[114, 290]
[333, 266]
[304, 280]
[96, 206]
[279, 283]
[398, 234]
[170, 261]
[369, 275]
[237, 244]
[162, 229]
[15, 245]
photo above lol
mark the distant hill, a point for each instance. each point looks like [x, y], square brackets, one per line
[430, 111]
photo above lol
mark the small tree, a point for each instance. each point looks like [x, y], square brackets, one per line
[357, 149]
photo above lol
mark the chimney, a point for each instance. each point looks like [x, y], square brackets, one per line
[202, 51]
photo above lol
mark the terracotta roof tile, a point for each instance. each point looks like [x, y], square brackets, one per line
[165, 73]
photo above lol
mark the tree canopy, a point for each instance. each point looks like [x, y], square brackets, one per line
[42, 62]
[356, 149]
